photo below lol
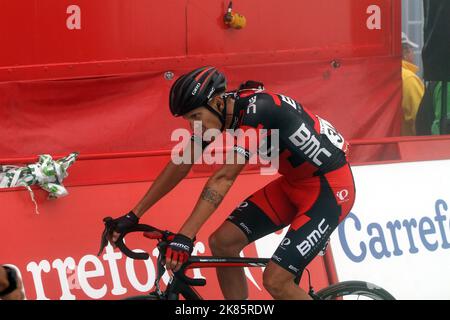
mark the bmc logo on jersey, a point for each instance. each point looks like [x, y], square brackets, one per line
[313, 238]
[309, 144]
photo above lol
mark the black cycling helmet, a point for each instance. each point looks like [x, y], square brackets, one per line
[194, 89]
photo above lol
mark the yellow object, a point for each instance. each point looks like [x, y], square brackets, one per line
[413, 90]
[233, 19]
[236, 21]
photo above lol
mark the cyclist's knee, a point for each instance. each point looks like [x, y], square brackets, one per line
[222, 243]
[219, 245]
[273, 285]
[275, 280]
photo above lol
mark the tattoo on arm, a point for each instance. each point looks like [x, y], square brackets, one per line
[211, 196]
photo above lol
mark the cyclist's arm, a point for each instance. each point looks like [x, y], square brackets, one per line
[168, 179]
[212, 195]
[218, 185]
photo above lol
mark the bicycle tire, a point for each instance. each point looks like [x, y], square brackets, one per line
[347, 288]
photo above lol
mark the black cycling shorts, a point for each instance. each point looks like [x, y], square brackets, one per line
[312, 207]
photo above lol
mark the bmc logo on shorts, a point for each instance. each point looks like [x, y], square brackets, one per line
[247, 229]
[293, 268]
[313, 238]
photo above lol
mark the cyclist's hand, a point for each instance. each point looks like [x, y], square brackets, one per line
[120, 224]
[178, 251]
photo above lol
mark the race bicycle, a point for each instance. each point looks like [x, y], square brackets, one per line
[182, 285]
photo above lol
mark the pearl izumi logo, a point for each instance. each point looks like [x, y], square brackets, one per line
[286, 242]
[313, 238]
[342, 195]
[242, 205]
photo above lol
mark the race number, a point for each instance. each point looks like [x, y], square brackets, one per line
[332, 134]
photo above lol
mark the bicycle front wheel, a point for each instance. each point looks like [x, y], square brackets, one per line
[354, 290]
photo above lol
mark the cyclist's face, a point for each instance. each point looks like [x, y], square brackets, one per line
[206, 117]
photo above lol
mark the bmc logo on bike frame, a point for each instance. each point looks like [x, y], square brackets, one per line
[313, 238]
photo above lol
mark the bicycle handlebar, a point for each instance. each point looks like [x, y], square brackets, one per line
[109, 228]
[127, 251]
[151, 233]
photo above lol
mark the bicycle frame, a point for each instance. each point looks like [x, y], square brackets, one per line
[180, 284]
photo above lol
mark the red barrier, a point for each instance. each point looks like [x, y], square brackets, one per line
[128, 114]
[67, 230]
[401, 149]
[83, 38]
[65, 235]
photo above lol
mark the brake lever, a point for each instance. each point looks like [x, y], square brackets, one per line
[161, 268]
[109, 226]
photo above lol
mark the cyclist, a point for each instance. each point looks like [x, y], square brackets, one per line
[313, 194]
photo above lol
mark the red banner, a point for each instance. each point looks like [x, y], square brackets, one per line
[130, 113]
[56, 250]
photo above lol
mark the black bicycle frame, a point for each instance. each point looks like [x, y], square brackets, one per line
[182, 285]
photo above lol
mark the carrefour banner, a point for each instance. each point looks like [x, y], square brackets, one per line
[398, 232]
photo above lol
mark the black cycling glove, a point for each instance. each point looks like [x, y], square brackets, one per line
[126, 221]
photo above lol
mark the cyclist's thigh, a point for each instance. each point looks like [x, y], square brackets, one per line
[312, 227]
[266, 211]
